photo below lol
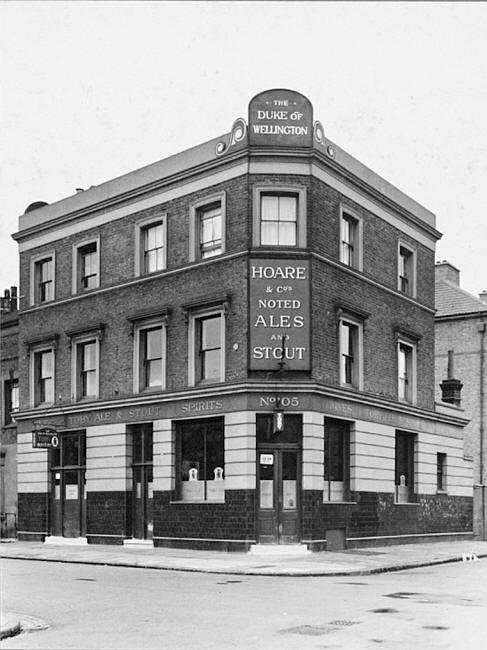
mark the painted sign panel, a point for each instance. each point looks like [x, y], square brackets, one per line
[45, 439]
[279, 314]
[281, 118]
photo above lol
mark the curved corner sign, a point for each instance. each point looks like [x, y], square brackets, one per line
[281, 118]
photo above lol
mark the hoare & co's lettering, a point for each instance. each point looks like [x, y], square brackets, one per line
[279, 321]
[269, 352]
[279, 272]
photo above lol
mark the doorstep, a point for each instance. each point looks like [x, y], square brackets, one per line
[138, 543]
[65, 541]
[279, 549]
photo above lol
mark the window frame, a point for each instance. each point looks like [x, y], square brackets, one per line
[411, 291]
[196, 210]
[205, 423]
[346, 214]
[77, 342]
[34, 388]
[140, 229]
[411, 463]
[301, 216]
[77, 265]
[194, 320]
[345, 318]
[411, 395]
[140, 328]
[35, 261]
[345, 432]
[9, 385]
[441, 471]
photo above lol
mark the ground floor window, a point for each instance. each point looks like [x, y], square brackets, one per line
[405, 490]
[336, 460]
[200, 460]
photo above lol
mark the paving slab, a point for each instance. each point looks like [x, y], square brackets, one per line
[279, 563]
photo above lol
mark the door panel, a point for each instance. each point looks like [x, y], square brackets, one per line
[278, 499]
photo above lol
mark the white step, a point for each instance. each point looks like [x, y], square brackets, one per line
[138, 543]
[65, 541]
[279, 549]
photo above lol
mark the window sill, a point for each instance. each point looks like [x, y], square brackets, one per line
[406, 503]
[177, 503]
[340, 503]
[441, 491]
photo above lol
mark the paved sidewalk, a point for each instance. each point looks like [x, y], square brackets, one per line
[269, 561]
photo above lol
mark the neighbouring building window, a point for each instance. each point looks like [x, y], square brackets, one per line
[280, 216]
[150, 246]
[11, 400]
[43, 376]
[42, 280]
[351, 239]
[441, 472]
[406, 277]
[200, 460]
[86, 266]
[406, 363]
[404, 470]
[336, 460]
[350, 345]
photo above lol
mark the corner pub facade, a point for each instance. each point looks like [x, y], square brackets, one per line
[235, 346]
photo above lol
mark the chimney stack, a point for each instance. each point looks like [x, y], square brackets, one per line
[451, 388]
[446, 271]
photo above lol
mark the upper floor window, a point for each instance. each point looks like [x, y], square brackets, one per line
[336, 460]
[351, 239]
[351, 353]
[87, 369]
[280, 216]
[206, 344]
[278, 219]
[86, 266]
[43, 377]
[207, 227]
[406, 273]
[406, 368]
[150, 253]
[85, 361]
[42, 279]
[11, 400]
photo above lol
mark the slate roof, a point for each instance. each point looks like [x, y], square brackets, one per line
[451, 300]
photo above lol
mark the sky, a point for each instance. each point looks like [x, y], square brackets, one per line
[93, 90]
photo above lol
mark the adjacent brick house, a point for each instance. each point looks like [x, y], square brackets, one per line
[460, 327]
[234, 346]
[9, 405]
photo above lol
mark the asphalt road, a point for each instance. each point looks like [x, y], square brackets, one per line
[108, 607]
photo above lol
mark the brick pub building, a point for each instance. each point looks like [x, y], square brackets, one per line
[235, 346]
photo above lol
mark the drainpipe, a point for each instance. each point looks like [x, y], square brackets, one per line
[481, 330]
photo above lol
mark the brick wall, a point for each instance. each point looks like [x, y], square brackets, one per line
[232, 520]
[108, 513]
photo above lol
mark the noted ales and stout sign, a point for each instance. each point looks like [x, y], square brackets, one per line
[281, 118]
[279, 314]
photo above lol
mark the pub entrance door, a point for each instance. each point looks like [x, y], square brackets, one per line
[142, 476]
[68, 499]
[279, 481]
